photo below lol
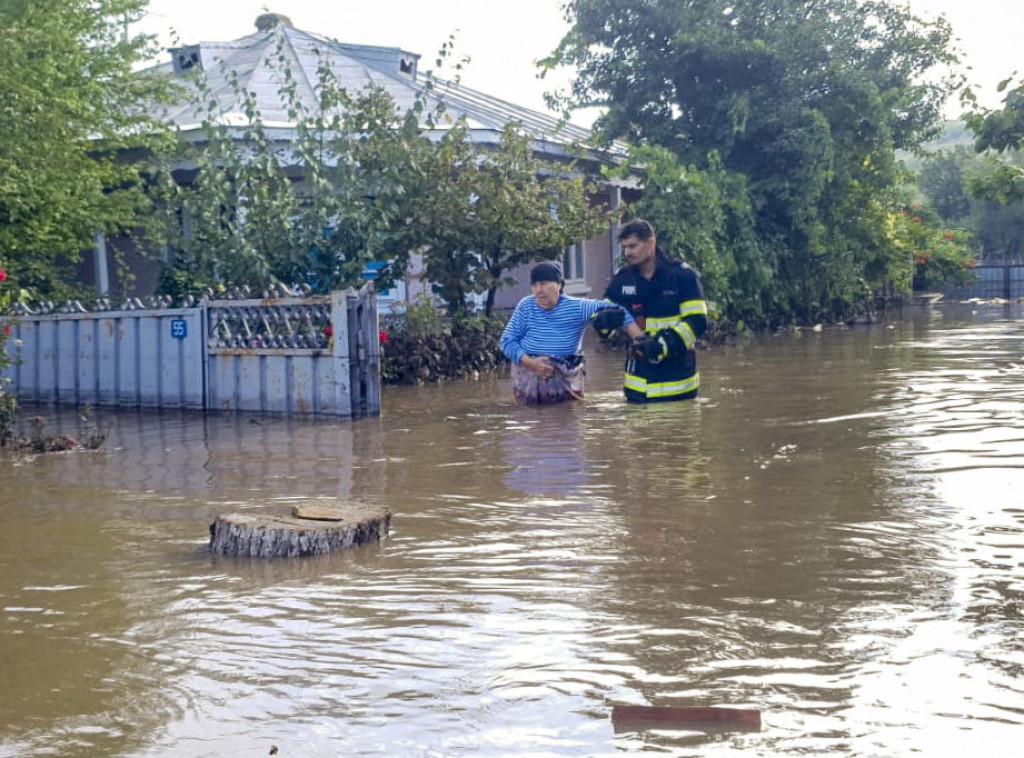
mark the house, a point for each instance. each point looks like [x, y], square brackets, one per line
[254, 59]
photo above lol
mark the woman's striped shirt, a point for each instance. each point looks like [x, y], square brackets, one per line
[555, 332]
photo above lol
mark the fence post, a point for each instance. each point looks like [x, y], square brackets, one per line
[341, 340]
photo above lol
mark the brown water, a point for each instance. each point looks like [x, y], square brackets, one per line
[833, 533]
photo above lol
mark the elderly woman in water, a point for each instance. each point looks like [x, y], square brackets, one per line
[543, 336]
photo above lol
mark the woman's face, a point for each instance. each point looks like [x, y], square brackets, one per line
[546, 293]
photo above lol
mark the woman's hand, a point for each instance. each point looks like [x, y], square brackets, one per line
[538, 364]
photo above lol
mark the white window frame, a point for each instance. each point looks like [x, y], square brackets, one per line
[574, 268]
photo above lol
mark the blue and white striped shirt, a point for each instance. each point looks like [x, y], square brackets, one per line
[554, 332]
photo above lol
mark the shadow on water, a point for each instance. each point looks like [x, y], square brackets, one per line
[830, 534]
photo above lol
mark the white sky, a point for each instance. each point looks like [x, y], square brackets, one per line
[504, 39]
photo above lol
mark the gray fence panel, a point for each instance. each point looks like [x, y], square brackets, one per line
[270, 355]
[107, 355]
[279, 382]
[110, 358]
[289, 383]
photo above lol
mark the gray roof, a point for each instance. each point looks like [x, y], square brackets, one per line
[257, 59]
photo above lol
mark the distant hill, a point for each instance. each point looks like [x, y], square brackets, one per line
[954, 134]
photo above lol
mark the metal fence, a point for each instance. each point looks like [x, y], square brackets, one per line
[294, 356]
[1005, 282]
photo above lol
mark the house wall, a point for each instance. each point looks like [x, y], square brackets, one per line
[599, 265]
[131, 271]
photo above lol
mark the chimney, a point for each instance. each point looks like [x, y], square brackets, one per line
[267, 21]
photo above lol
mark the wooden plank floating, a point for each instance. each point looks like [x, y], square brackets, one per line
[312, 528]
[702, 718]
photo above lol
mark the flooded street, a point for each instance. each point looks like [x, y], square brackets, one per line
[833, 533]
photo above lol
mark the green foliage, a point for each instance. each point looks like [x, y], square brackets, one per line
[999, 131]
[704, 217]
[313, 206]
[356, 181]
[70, 108]
[795, 106]
[466, 346]
[8, 403]
[955, 183]
[942, 180]
[422, 319]
[937, 257]
[490, 209]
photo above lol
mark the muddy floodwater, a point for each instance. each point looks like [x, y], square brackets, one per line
[833, 534]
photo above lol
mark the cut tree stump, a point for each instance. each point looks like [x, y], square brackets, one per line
[312, 528]
[704, 718]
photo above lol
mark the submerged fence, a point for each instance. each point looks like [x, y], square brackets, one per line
[1005, 282]
[292, 355]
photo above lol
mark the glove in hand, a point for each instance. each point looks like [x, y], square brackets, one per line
[648, 348]
[607, 320]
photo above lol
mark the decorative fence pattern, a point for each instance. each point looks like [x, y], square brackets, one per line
[292, 355]
[1005, 282]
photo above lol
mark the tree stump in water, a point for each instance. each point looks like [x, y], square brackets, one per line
[314, 528]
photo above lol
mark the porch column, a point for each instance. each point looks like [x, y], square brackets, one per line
[100, 264]
[614, 201]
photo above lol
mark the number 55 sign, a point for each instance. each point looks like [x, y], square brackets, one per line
[179, 328]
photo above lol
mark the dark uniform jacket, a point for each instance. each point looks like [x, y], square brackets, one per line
[672, 299]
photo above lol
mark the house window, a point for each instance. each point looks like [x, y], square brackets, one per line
[574, 269]
[574, 263]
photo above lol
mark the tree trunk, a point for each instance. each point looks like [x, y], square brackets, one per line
[312, 529]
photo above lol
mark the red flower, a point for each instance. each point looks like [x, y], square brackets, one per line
[7, 329]
[3, 275]
[382, 336]
[328, 331]
[916, 219]
[948, 236]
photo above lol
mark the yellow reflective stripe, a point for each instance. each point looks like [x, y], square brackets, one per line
[636, 383]
[657, 324]
[694, 308]
[662, 389]
[686, 332]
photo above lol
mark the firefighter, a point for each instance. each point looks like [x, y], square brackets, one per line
[666, 298]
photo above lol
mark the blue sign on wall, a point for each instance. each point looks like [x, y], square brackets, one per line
[179, 328]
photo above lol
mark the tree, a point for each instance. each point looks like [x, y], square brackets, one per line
[489, 210]
[355, 182]
[952, 181]
[938, 257]
[8, 402]
[68, 114]
[806, 101]
[1001, 132]
[941, 179]
[313, 210]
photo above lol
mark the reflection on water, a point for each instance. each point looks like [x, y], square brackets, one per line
[831, 534]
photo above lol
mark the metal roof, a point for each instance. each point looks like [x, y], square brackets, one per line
[255, 62]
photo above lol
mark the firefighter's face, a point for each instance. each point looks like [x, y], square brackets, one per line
[637, 251]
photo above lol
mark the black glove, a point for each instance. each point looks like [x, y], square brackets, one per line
[648, 348]
[674, 345]
[607, 320]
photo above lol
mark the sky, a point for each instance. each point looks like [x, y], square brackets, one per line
[503, 40]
